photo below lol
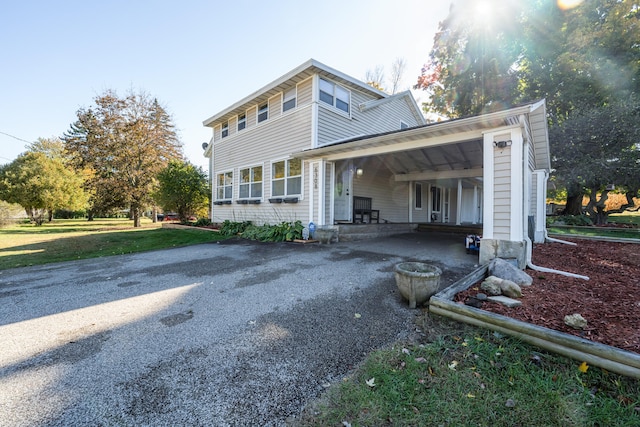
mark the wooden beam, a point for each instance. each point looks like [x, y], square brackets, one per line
[425, 176]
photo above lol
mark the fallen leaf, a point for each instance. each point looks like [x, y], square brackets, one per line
[371, 382]
[421, 360]
[405, 350]
[453, 365]
[583, 367]
[431, 372]
[471, 396]
[357, 315]
[415, 410]
[346, 424]
[510, 403]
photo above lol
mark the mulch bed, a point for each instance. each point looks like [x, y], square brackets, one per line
[609, 300]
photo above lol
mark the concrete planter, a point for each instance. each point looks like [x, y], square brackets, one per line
[417, 281]
[325, 235]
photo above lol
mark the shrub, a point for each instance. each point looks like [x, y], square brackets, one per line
[203, 222]
[283, 232]
[229, 228]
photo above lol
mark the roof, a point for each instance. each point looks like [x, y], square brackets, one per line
[458, 136]
[286, 81]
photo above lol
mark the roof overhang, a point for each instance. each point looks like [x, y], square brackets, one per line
[298, 74]
[441, 133]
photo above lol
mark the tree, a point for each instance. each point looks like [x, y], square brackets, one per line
[123, 143]
[40, 182]
[580, 58]
[596, 149]
[376, 78]
[183, 189]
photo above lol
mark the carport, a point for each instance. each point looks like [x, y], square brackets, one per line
[490, 169]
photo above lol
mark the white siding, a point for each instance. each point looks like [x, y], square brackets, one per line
[333, 124]
[502, 194]
[274, 139]
[305, 93]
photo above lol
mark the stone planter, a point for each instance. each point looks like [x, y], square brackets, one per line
[417, 281]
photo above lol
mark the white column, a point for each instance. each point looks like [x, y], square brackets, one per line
[517, 187]
[475, 205]
[487, 182]
[459, 206]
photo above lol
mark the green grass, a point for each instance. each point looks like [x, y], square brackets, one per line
[631, 218]
[64, 240]
[478, 378]
[626, 218]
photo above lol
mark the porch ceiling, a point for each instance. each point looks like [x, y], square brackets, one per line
[456, 156]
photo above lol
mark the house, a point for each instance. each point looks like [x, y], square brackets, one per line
[317, 145]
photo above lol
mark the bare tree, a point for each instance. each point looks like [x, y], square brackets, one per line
[398, 68]
[375, 77]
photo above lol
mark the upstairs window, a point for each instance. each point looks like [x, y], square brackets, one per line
[224, 185]
[263, 112]
[250, 185]
[403, 125]
[225, 129]
[289, 100]
[286, 178]
[335, 95]
[242, 121]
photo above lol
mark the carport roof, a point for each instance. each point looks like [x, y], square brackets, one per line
[451, 132]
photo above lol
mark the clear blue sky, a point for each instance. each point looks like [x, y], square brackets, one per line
[197, 57]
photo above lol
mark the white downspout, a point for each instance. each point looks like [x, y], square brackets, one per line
[525, 210]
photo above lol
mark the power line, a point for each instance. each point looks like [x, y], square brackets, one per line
[15, 137]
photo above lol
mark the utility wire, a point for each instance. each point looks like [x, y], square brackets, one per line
[15, 137]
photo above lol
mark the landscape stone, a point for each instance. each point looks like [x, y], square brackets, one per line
[575, 321]
[509, 302]
[505, 270]
[490, 286]
[510, 289]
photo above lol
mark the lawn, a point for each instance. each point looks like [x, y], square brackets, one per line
[628, 219]
[468, 376]
[64, 240]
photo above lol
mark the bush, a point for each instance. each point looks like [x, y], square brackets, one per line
[203, 222]
[229, 228]
[283, 232]
[67, 214]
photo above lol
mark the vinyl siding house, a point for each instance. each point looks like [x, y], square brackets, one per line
[311, 144]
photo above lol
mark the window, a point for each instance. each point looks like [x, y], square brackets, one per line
[250, 185]
[263, 112]
[403, 125]
[289, 100]
[335, 95]
[225, 129]
[242, 121]
[418, 196]
[224, 185]
[286, 178]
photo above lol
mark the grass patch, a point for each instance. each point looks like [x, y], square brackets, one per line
[615, 233]
[65, 240]
[478, 378]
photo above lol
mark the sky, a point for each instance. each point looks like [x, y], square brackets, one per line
[196, 57]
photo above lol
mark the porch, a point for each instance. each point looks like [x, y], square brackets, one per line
[354, 232]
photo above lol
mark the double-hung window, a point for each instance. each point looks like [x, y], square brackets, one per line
[286, 178]
[242, 121]
[289, 100]
[335, 95]
[263, 112]
[250, 185]
[224, 185]
[225, 129]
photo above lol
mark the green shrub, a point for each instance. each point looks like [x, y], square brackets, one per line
[229, 228]
[203, 222]
[283, 232]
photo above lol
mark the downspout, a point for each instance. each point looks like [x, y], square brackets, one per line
[529, 243]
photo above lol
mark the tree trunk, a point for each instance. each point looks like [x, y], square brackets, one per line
[574, 204]
[135, 213]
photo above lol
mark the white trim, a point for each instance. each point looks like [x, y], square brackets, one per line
[332, 189]
[321, 196]
[541, 215]
[435, 175]
[224, 172]
[314, 112]
[287, 159]
[312, 167]
[241, 183]
[294, 98]
[487, 183]
[517, 187]
[334, 106]
[459, 201]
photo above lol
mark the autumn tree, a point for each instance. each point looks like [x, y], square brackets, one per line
[41, 181]
[183, 189]
[376, 77]
[123, 143]
[507, 53]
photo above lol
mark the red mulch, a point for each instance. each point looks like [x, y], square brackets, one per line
[609, 300]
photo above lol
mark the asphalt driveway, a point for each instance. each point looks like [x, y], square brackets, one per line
[233, 333]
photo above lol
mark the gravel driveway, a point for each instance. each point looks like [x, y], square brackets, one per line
[233, 333]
